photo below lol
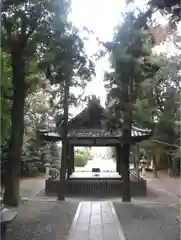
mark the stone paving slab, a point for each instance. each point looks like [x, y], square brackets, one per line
[96, 221]
[148, 221]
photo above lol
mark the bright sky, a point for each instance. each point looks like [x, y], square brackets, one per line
[100, 16]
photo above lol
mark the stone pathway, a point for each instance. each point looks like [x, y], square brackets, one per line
[161, 190]
[31, 186]
[96, 221]
[148, 221]
[170, 185]
[42, 220]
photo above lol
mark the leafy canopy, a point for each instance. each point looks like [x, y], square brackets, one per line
[131, 65]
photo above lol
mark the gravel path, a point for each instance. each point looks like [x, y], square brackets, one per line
[169, 185]
[150, 221]
[41, 220]
[29, 187]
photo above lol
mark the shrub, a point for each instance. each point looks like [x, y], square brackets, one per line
[54, 172]
[56, 165]
[80, 160]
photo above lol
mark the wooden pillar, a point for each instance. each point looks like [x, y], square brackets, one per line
[126, 193]
[137, 160]
[73, 162]
[69, 161]
[118, 159]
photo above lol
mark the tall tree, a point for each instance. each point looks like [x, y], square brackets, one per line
[163, 96]
[170, 7]
[27, 29]
[69, 67]
[131, 65]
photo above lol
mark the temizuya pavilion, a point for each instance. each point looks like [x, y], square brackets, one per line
[89, 129]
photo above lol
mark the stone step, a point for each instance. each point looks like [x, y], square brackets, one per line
[96, 221]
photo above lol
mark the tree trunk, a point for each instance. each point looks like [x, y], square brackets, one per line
[137, 161]
[72, 158]
[69, 161]
[65, 144]
[120, 157]
[117, 160]
[127, 95]
[13, 168]
[134, 157]
[155, 167]
[174, 166]
[169, 166]
[126, 195]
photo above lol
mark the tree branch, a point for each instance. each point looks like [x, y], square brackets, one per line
[174, 41]
[35, 15]
[164, 143]
[8, 27]
[23, 24]
[12, 2]
[5, 96]
[32, 29]
[177, 45]
[158, 101]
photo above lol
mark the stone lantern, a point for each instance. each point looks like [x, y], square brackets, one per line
[143, 166]
[47, 167]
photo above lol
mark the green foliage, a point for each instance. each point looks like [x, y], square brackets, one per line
[81, 157]
[40, 32]
[80, 160]
[69, 66]
[155, 94]
[132, 65]
[36, 155]
[54, 172]
[84, 152]
[165, 92]
[6, 94]
[170, 7]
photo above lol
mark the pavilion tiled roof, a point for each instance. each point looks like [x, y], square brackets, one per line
[81, 133]
[90, 123]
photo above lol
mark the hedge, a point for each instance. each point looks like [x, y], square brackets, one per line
[80, 160]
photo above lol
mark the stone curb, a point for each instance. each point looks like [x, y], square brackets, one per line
[75, 219]
[39, 199]
[119, 227]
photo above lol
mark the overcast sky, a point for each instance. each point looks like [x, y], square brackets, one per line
[100, 16]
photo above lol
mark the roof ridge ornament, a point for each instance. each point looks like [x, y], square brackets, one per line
[93, 99]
